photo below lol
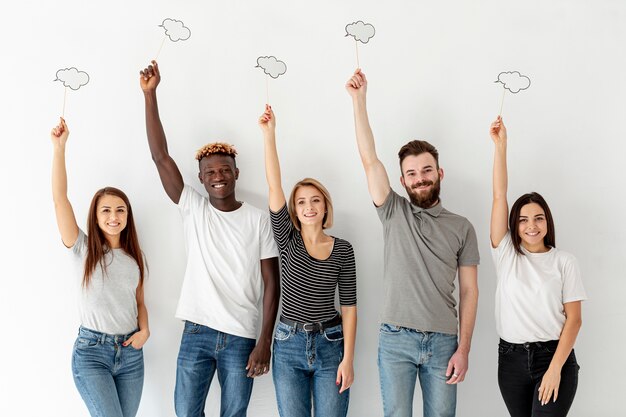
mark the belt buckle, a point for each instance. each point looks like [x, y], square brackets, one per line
[308, 327]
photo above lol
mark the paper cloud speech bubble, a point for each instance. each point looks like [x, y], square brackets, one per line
[72, 78]
[513, 81]
[175, 30]
[360, 31]
[271, 66]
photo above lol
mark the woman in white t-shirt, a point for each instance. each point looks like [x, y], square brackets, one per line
[538, 300]
[107, 360]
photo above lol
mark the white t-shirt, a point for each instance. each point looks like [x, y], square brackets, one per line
[531, 291]
[223, 286]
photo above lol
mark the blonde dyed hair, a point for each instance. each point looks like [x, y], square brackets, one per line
[327, 222]
[219, 148]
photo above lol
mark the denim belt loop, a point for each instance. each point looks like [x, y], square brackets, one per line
[103, 338]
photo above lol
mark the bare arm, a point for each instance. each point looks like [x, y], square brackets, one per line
[170, 176]
[267, 122]
[66, 221]
[468, 304]
[552, 378]
[345, 371]
[139, 338]
[377, 178]
[259, 360]
[500, 207]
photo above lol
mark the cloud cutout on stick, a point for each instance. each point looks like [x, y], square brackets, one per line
[513, 81]
[271, 66]
[360, 31]
[175, 30]
[72, 78]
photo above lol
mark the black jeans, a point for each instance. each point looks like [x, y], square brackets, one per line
[520, 370]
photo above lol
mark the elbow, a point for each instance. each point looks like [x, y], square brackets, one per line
[159, 158]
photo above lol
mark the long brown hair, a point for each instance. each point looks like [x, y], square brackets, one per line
[97, 245]
[549, 239]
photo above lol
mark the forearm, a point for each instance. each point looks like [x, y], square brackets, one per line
[272, 172]
[59, 175]
[566, 341]
[468, 305]
[349, 320]
[500, 174]
[142, 318]
[271, 295]
[154, 129]
[364, 134]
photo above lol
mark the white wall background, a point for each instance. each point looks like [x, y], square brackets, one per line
[431, 68]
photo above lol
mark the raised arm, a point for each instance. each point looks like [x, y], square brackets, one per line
[500, 207]
[66, 221]
[170, 176]
[267, 122]
[377, 178]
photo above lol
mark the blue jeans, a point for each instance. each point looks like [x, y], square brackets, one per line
[520, 370]
[202, 352]
[304, 367]
[405, 354]
[108, 376]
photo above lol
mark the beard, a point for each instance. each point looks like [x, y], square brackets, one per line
[424, 200]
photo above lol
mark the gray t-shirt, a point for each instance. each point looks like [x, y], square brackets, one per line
[109, 303]
[423, 249]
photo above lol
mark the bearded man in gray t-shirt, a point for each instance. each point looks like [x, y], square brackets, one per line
[425, 247]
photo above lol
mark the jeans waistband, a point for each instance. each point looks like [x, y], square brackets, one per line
[528, 346]
[313, 327]
[104, 337]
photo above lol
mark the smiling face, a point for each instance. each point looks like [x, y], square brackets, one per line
[112, 217]
[310, 206]
[421, 178]
[218, 174]
[532, 227]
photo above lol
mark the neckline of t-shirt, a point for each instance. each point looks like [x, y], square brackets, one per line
[536, 254]
[238, 209]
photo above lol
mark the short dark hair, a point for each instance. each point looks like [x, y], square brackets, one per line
[418, 147]
[549, 239]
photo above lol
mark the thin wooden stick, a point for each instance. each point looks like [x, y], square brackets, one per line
[160, 47]
[356, 45]
[267, 89]
[502, 102]
[64, 96]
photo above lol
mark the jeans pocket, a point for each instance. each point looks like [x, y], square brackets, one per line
[390, 328]
[334, 334]
[282, 333]
[504, 348]
[85, 343]
[191, 327]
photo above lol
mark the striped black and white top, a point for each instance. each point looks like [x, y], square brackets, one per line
[308, 284]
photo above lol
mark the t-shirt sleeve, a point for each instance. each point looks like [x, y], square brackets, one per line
[347, 278]
[468, 254]
[282, 227]
[190, 200]
[80, 246]
[503, 251]
[573, 289]
[267, 245]
[388, 208]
